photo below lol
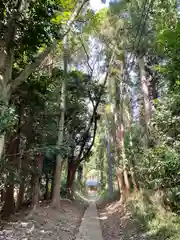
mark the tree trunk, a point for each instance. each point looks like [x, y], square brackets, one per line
[134, 181]
[122, 175]
[20, 198]
[147, 104]
[57, 183]
[2, 195]
[154, 83]
[70, 179]
[121, 184]
[101, 167]
[126, 181]
[2, 142]
[52, 183]
[109, 160]
[36, 183]
[9, 203]
[21, 162]
[46, 195]
[124, 161]
[132, 158]
[80, 173]
[59, 160]
[35, 193]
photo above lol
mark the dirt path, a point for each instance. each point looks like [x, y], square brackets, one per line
[90, 227]
[117, 224]
[46, 224]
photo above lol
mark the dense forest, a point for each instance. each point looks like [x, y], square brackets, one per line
[82, 88]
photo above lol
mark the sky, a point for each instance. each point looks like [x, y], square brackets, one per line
[97, 4]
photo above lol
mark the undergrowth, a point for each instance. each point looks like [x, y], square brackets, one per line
[153, 220]
[104, 196]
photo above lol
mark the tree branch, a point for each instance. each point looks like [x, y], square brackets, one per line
[92, 143]
[79, 158]
[87, 55]
[40, 58]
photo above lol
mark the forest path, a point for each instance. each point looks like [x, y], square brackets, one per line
[90, 227]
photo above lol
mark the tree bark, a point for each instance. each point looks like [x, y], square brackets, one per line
[52, 182]
[2, 142]
[121, 184]
[101, 166]
[2, 195]
[36, 183]
[126, 181]
[46, 195]
[109, 160]
[57, 183]
[126, 184]
[80, 173]
[147, 104]
[20, 198]
[9, 203]
[35, 193]
[70, 178]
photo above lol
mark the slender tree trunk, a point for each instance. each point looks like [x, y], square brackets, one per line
[2, 195]
[59, 160]
[21, 162]
[57, 183]
[154, 83]
[121, 183]
[122, 174]
[147, 104]
[80, 173]
[9, 203]
[70, 178]
[101, 167]
[109, 160]
[132, 166]
[20, 198]
[2, 142]
[12, 151]
[36, 184]
[124, 161]
[35, 193]
[109, 142]
[46, 195]
[52, 182]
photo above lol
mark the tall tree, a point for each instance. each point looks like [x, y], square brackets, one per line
[62, 104]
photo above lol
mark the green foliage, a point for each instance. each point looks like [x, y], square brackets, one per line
[152, 220]
[161, 168]
[8, 119]
[169, 42]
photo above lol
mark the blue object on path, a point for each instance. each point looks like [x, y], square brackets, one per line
[92, 183]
